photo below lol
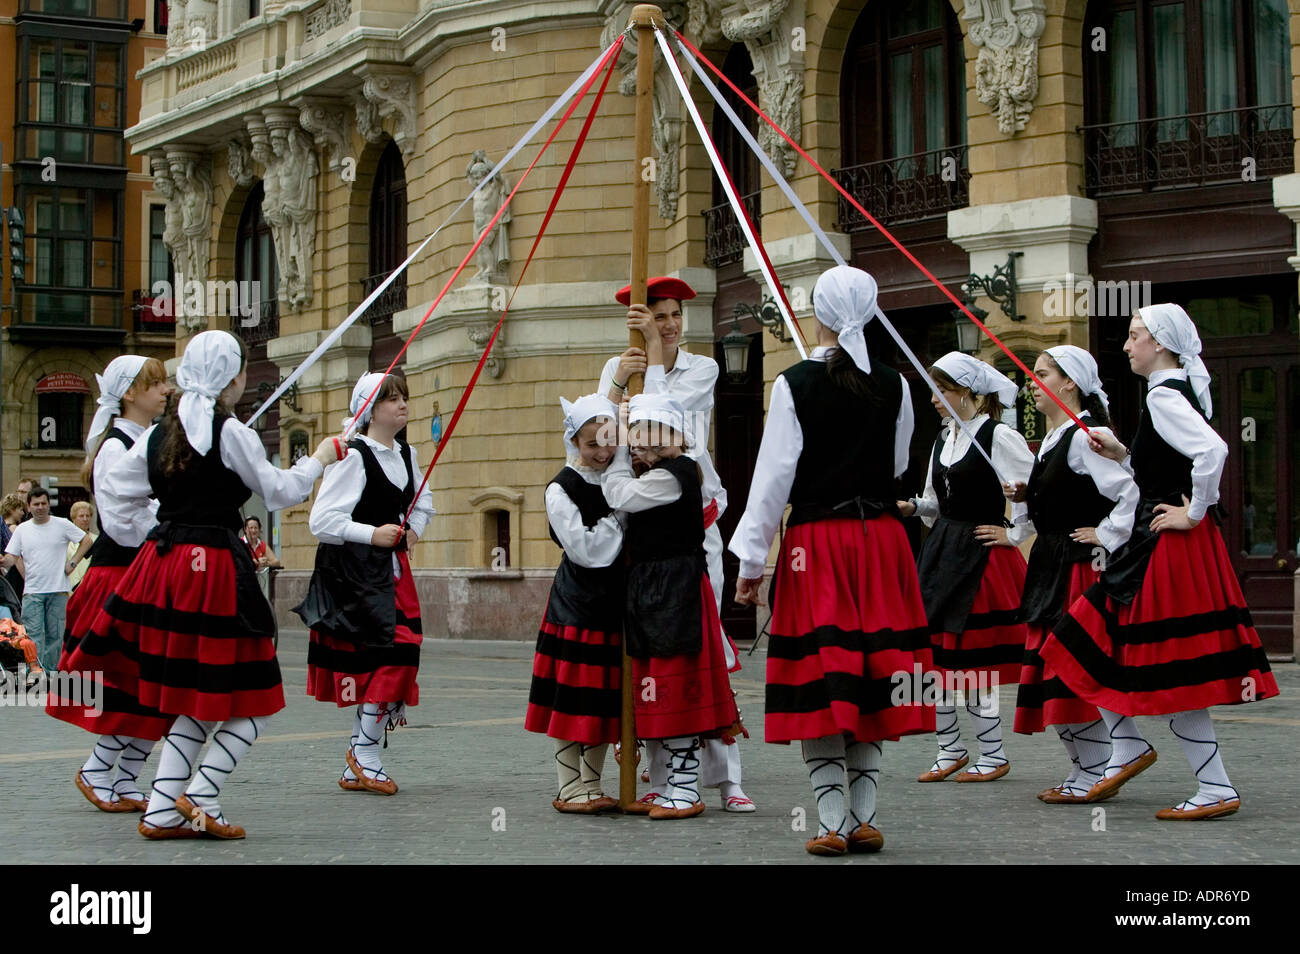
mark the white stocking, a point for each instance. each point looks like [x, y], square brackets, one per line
[983, 712]
[230, 743]
[370, 733]
[129, 766]
[1196, 734]
[951, 750]
[1072, 751]
[862, 760]
[98, 769]
[348, 774]
[825, 761]
[591, 767]
[684, 771]
[1092, 741]
[568, 757]
[1126, 741]
[180, 751]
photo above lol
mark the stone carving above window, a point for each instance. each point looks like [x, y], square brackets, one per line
[1006, 33]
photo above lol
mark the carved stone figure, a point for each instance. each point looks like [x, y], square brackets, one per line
[173, 230]
[239, 163]
[1006, 72]
[272, 205]
[298, 171]
[194, 184]
[493, 255]
[766, 27]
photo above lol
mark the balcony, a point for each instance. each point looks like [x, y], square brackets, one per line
[906, 188]
[1196, 149]
[153, 316]
[68, 315]
[724, 241]
[261, 326]
[390, 302]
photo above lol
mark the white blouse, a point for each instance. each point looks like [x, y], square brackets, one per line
[127, 522]
[774, 470]
[1191, 435]
[1011, 456]
[596, 546]
[340, 492]
[126, 484]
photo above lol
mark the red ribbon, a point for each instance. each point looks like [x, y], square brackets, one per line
[883, 231]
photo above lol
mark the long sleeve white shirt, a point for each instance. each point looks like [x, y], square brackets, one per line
[625, 491]
[345, 481]
[126, 483]
[1111, 479]
[690, 383]
[774, 470]
[1183, 429]
[1011, 456]
[127, 522]
[595, 546]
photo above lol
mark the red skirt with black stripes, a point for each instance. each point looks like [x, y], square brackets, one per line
[848, 629]
[99, 583]
[1043, 699]
[182, 636]
[993, 642]
[346, 674]
[576, 692]
[1186, 641]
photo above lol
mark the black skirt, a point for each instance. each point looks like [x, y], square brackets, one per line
[350, 596]
[951, 566]
[664, 607]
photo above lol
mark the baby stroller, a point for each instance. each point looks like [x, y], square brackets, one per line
[15, 648]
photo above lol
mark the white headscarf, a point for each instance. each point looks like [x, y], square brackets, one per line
[979, 376]
[586, 408]
[844, 300]
[1081, 368]
[210, 363]
[366, 384]
[113, 385]
[1171, 326]
[661, 409]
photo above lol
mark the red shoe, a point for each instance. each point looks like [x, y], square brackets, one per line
[88, 790]
[206, 823]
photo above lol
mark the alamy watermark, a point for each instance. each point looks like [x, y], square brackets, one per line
[64, 689]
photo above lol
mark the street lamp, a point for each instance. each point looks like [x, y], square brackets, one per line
[1000, 286]
[735, 350]
[968, 333]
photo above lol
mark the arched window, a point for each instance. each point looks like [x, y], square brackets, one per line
[725, 242]
[1180, 92]
[387, 251]
[256, 273]
[903, 112]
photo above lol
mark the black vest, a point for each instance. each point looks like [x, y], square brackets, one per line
[674, 529]
[1160, 471]
[382, 502]
[206, 493]
[106, 551]
[1060, 500]
[841, 465]
[968, 490]
[588, 498]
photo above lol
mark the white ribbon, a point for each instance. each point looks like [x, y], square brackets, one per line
[347, 323]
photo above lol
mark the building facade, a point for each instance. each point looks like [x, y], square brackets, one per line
[1111, 152]
[90, 240]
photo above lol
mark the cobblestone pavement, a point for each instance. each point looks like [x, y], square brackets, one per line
[475, 787]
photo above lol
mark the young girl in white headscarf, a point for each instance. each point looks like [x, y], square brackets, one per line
[1166, 630]
[846, 608]
[1081, 506]
[361, 606]
[188, 625]
[971, 571]
[576, 692]
[132, 392]
[671, 624]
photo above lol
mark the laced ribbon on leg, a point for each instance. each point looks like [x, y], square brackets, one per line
[983, 712]
[862, 760]
[99, 767]
[684, 775]
[1126, 741]
[591, 765]
[568, 758]
[348, 774]
[371, 733]
[1070, 785]
[1092, 742]
[951, 751]
[129, 766]
[1195, 733]
[230, 743]
[825, 761]
[175, 766]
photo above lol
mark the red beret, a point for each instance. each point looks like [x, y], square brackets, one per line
[661, 287]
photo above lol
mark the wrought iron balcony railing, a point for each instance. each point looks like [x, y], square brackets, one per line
[390, 302]
[724, 241]
[905, 188]
[262, 324]
[1195, 149]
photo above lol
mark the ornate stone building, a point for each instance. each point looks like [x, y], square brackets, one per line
[1104, 149]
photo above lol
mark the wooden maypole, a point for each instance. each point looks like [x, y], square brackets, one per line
[645, 17]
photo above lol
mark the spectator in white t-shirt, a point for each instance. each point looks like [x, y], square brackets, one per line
[41, 543]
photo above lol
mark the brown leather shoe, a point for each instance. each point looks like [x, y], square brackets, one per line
[829, 844]
[85, 788]
[660, 812]
[993, 776]
[154, 833]
[604, 804]
[386, 787]
[1058, 796]
[1109, 786]
[575, 808]
[208, 825]
[642, 805]
[866, 839]
[940, 774]
[137, 804]
[1220, 809]
[350, 784]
